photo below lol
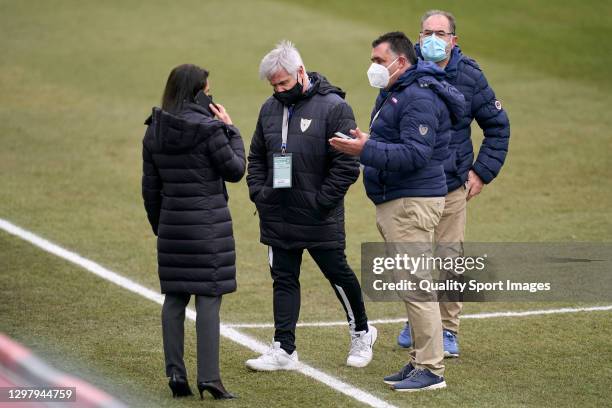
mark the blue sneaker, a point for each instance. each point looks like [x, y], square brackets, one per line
[400, 375]
[405, 339]
[420, 380]
[451, 346]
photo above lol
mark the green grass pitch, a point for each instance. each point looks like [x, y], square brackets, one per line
[78, 78]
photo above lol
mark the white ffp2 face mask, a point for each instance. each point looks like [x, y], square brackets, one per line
[378, 75]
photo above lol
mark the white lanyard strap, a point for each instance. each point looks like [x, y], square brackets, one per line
[374, 118]
[285, 129]
[378, 112]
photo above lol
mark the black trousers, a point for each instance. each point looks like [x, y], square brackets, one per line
[207, 331]
[285, 270]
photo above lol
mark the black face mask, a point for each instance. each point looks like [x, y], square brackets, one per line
[204, 100]
[290, 96]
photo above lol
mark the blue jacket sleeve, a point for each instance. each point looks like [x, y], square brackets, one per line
[493, 120]
[418, 124]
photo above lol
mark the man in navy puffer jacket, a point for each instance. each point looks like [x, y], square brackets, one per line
[465, 177]
[403, 159]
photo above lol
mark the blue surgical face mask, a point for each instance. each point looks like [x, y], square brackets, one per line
[433, 48]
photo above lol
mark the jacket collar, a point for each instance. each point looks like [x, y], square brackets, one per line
[416, 71]
[194, 107]
[320, 85]
[453, 63]
[455, 58]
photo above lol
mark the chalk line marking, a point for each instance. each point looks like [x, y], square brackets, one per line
[226, 331]
[403, 319]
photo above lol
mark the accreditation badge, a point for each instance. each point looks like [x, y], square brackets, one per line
[281, 174]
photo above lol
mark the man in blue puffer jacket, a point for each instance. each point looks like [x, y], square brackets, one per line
[403, 159]
[465, 177]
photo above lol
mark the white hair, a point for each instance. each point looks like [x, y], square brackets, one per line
[283, 56]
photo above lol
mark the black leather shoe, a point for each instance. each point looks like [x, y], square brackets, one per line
[179, 387]
[216, 389]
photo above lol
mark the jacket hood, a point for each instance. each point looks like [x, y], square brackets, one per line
[416, 71]
[429, 75]
[452, 98]
[320, 85]
[183, 131]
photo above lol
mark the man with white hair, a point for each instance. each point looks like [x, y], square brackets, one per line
[298, 182]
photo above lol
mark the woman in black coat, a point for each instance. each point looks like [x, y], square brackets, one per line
[190, 149]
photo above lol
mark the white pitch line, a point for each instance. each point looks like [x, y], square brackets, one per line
[403, 319]
[226, 331]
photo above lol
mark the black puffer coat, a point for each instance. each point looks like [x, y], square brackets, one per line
[186, 160]
[310, 214]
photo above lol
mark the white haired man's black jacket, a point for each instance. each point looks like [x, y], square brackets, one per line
[310, 214]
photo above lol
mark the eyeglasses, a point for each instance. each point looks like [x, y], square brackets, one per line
[438, 33]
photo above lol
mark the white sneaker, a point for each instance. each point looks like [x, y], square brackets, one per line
[274, 359]
[361, 352]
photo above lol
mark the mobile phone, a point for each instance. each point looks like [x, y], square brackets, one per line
[343, 136]
[204, 100]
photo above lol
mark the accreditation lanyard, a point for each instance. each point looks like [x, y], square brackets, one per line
[378, 111]
[282, 162]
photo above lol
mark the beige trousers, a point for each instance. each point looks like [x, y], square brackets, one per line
[413, 220]
[449, 236]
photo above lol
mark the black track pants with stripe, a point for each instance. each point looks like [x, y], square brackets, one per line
[285, 270]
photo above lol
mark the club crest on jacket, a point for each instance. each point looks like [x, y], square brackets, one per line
[304, 124]
[423, 130]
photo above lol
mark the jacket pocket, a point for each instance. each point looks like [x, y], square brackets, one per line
[267, 195]
[423, 213]
[322, 212]
[314, 210]
[450, 164]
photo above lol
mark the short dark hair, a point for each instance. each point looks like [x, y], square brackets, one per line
[399, 43]
[183, 84]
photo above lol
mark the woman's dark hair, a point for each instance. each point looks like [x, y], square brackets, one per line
[183, 84]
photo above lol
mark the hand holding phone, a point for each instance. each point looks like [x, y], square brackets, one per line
[215, 109]
[351, 145]
[204, 100]
[343, 136]
[220, 113]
